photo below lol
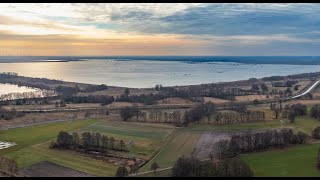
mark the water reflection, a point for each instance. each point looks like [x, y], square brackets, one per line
[144, 73]
[12, 92]
[11, 88]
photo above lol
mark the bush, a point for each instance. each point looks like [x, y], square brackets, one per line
[316, 133]
[122, 172]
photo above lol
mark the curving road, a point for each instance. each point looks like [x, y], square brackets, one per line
[305, 92]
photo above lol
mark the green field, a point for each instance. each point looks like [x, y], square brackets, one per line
[182, 143]
[145, 139]
[303, 123]
[32, 135]
[299, 160]
[33, 143]
[164, 144]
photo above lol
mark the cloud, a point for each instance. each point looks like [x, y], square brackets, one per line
[172, 28]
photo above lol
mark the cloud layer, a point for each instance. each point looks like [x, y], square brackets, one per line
[160, 29]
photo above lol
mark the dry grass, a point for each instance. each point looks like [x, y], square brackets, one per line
[215, 100]
[52, 106]
[252, 97]
[38, 117]
[174, 100]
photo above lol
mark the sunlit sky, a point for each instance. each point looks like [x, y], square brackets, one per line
[160, 29]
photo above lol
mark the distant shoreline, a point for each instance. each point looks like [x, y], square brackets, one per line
[288, 60]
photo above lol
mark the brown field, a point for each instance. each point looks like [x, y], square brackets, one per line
[206, 144]
[253, 97]
[122, 104]
[215, 100]
[174, 100]
[38, 117]
[306, 102]
[49, 169]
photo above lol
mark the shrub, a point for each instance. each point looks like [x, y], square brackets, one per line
[316, 133]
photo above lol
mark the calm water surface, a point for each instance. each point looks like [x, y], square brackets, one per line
[144, 73]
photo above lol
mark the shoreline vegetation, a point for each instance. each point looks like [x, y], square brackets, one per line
[289, 60]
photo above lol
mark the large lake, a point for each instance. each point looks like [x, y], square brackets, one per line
[144, 73]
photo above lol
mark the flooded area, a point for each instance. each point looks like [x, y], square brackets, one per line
[12, 91]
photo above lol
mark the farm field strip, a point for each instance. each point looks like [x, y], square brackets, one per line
[299, 160]
[31, 135]
[303, 123]
[182, 144]
[148, 132]
[207, 143]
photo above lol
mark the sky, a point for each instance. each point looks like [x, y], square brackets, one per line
[230, 29]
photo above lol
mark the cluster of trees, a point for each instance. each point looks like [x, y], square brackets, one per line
[175, 117]
[294, 76]
[127, 113]
[8, 114]
[315, 111]
[88, 141]
[192, 167]
[299, 109]
[197, 113]
[204, 90]
[237, 106]
[147, 99]
[102, 99]
[316, 133]
[66, 91]
[133, 113]
[69, 91]
[93, 88]
[158, 87]
[235, 117]
[8, 166]
[256, 141]
[288, 111]
[122, 171]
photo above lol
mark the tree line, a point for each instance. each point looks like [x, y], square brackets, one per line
[200, 111]
[288, 111]
[257, 141]
[235, 117]
[294, 76]
[192, 167]
[102, 99]
[133, 113]
[88, 142]
[9, 114]
[68, 91]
